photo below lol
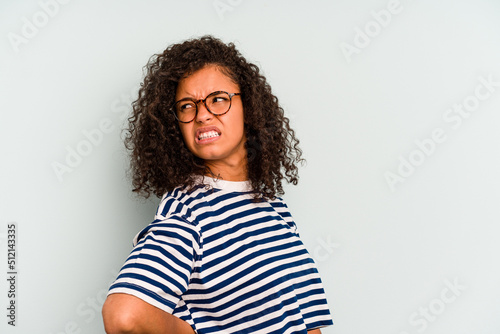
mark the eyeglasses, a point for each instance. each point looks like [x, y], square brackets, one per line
[217, 103]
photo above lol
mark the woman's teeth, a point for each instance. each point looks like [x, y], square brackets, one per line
[208, 134]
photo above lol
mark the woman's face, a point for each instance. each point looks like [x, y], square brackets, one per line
[218, 140]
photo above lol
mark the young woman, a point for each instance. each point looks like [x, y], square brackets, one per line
[223, 254]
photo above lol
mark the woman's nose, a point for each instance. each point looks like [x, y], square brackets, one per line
[203, 114]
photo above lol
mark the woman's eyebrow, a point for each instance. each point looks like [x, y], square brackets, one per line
[188, 95]
[185, 95]
[186, 98]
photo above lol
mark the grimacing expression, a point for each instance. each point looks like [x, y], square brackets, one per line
[215, 139]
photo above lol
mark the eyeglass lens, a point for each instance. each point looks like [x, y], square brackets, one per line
[217, 103]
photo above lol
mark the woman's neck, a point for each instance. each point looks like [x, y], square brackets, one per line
[229, 171]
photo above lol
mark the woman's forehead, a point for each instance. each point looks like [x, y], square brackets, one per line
[205, 81]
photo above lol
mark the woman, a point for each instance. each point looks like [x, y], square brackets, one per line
[223, 254]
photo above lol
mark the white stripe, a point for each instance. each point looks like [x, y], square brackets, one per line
[317, 318]
[241, 231]
[240, 282]
[169, 249]
[147, 286]
[247, 252]
[256, 237]
[242, 267]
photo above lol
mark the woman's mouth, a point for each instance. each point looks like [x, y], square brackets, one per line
[207, 135]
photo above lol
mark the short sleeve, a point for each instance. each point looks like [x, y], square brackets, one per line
[159, 268]
[281, 208]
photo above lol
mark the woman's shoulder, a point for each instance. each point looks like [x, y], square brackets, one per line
[179, 201]
[174, 214]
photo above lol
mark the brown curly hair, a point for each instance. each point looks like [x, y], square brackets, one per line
[160, 160]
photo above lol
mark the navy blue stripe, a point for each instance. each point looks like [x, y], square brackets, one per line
[166, 207]
[321, 323]
[263, 314]
[168, 229]
[279, 269]
[310, 303]
[273, 321]
[224, 209]
[178, 248]
[316, 313]
[311, 281]
[149, 280]
[218, 260]
[278, 204]
[228, 231]
[177, 198]
[310, 292]
[252, 306]
[242, 224]
[254, 267]
[167, 267]
[225, 196]
[254, 231]
[155, 271]
[153, 246]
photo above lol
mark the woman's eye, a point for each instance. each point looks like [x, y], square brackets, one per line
[218, 99]
[186, 106]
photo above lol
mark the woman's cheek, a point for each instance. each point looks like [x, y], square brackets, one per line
[188, 140]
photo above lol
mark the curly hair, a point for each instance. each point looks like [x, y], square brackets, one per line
[160, 160]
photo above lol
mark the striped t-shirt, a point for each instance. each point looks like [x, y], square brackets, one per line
[226, 264]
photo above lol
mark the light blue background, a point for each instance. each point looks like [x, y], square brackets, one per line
[385, 256]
